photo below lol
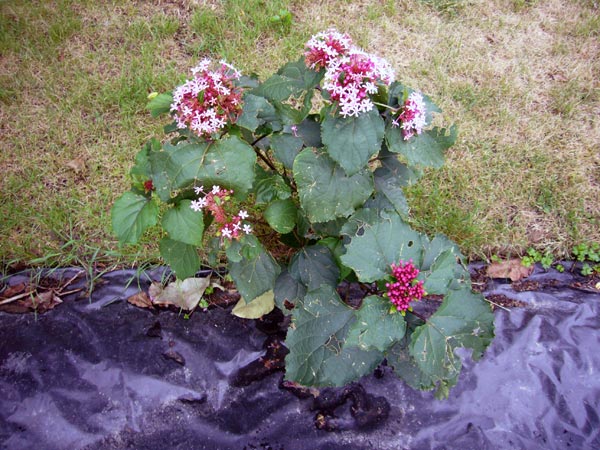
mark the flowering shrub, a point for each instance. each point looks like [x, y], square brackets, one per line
[329, 184]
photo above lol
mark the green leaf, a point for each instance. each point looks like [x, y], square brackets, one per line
[160, 104]
[256, 111]
[442, 267]
[463, 320]
[291, 80]
[184, 224]
[391, 190]
[375, 327]
[290, 91]
[181, 257]
[309, 130]
[352, 141]
[255, 309]
[286, 147]
[317, 356]
[255, 273]
[131, 215]
[288, 289]
[269, 186]
[228, 162]
[325, 191]
[141, 169]
[314, 266]
[406, 368]
[382, 243]
[425, 149]
[281, 215]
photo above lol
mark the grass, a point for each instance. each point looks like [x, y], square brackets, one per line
[518, 77]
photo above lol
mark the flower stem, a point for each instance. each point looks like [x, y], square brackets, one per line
[386, 106]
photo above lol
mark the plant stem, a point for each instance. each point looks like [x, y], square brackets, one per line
[265, 159]
[386, 106]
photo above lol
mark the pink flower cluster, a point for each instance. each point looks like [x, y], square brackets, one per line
[351, 74]
[208, 101]
[411, 117]
[325, 47]
[406, 288]
[215, 202]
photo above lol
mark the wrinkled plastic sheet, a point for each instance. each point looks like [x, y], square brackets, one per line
[91, 373]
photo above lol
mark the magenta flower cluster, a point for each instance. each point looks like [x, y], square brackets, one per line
[216, 202]
[351, 74]
[406, 288]
[210, 100]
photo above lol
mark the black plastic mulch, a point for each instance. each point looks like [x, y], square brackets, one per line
[101, 373]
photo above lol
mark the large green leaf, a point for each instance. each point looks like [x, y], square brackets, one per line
[317, 356]
[131, 215]
[269, 186]
[184, 224]
[325, 191]
[425, 149]
[375, 327]
[291, 80]
[183, 258]
[405, 366]
[286, 147]
[309, 130]
[288, 291]
[314, 266]
[228, 162]
[141, 169]
[382, 243]
[390, 190]
[281, 215]
[255, 272]
[443, 266]
[463, 320]
[256, 111]
[352, 141]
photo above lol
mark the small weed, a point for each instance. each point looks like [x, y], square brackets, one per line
[533, 256]
[589, 255]
[282, 19]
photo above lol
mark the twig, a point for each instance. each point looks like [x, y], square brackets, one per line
[16, 297]
[497, 305]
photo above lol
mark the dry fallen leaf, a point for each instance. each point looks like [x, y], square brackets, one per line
[257, 308]
[141, 300]
[512, 269]
[185, 294]
[77, 165]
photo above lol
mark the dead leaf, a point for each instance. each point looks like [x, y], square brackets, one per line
[77, 165]
[185, 294]
[257, 308]
[141, 300]
[45, 301]
[512, 269]
[12, 291]
[174, 356]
